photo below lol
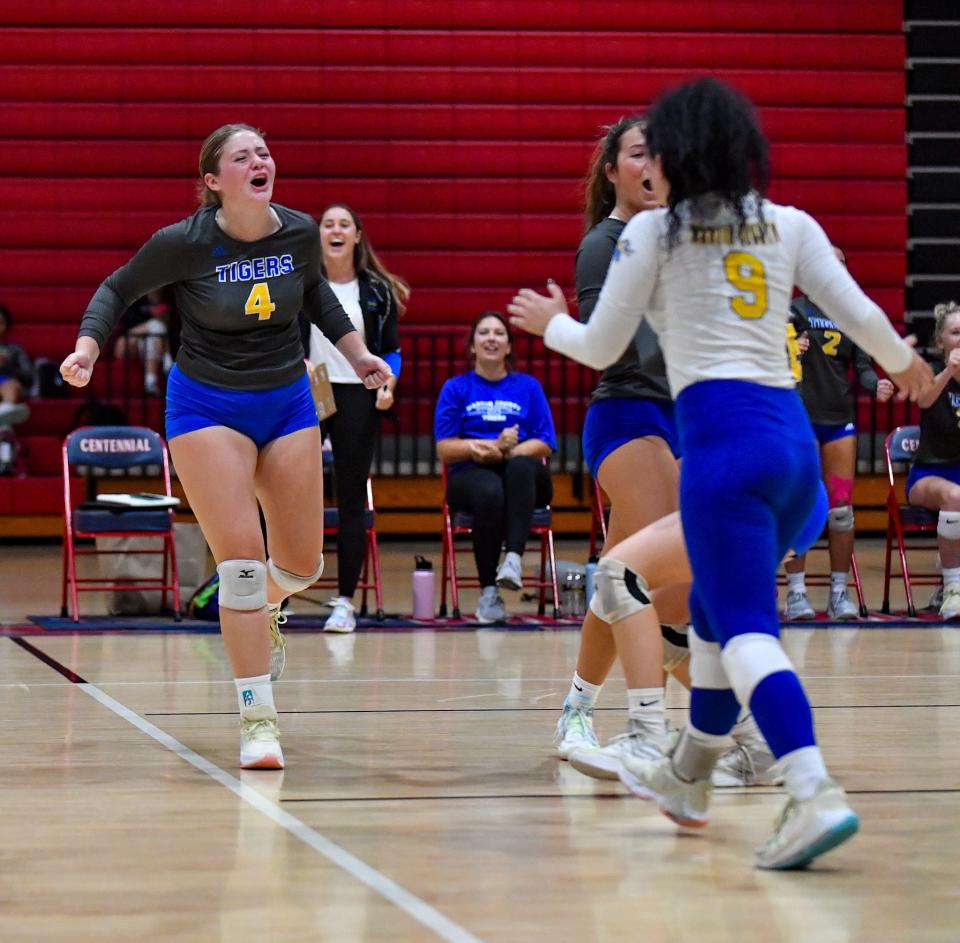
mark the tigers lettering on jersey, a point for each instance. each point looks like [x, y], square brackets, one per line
[249, 270]
[746, 234]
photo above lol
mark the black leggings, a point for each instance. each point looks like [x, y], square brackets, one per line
[353, 434]
[501, 499]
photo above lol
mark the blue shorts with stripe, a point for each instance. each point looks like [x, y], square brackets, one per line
[261, 415]
[611, 423]
[831, 432]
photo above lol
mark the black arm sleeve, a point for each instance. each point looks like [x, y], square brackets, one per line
[390, 339]
[865, 373]
[304, 324]
[148, 270]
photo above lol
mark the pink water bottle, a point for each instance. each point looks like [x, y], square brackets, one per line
[424, 589]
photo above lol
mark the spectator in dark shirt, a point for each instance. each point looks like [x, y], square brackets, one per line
[825, 367]
[16, 375]
[934, 480]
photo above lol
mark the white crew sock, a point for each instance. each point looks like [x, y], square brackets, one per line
[254, 692]
[838, 582]
[583, 694]
[648, 708]
[797, 582]
[951, 576]
[803, 770]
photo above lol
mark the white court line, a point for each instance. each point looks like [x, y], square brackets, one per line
[409, 903]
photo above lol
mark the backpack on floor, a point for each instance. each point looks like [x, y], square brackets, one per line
[205, 602]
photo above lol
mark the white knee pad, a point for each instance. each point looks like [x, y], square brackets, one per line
[291, 582]
[751, 657]
[706, 664]
[948, 525]
[243, 585]
[618, 592]
[840, 519]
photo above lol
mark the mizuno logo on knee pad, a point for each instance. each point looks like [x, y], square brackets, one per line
[243, 585]
[618, 593]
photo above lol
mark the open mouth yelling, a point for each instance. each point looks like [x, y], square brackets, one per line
[260, 182]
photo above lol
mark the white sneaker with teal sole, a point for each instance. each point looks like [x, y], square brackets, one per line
[575, 731]
[808, 828]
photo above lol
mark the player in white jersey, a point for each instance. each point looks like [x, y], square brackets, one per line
[718, 267]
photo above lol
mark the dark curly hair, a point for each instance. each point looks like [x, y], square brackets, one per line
[709, 141]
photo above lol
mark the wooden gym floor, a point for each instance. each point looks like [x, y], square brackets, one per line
[422, 800]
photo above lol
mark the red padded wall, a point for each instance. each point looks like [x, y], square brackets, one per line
[459, 130]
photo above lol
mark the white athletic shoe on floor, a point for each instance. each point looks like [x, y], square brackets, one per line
[260, 739]
[685, 803]
[747, 765]
[490, 607]
[343, 618]
[278, 645]
[605, 762]
[575, 731]
[510, 574]
[936, 599]
[950, 607]
[841, 607]
[808, 828]
[797, 606]
[750, 762]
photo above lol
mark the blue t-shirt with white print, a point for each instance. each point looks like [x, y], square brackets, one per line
[471, 407]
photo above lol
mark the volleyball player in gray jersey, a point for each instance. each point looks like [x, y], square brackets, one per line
[240, 418]
[630, 440]
[629, 429]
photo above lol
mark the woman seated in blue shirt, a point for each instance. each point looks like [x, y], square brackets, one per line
[494, 429]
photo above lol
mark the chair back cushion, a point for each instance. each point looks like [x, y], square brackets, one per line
[114, 447]
[902, 443]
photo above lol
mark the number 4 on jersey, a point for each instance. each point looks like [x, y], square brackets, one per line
[259, 303]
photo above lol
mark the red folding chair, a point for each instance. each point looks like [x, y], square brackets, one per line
[370, 575]
[905, 519]
[111, 449]
[460, 523]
